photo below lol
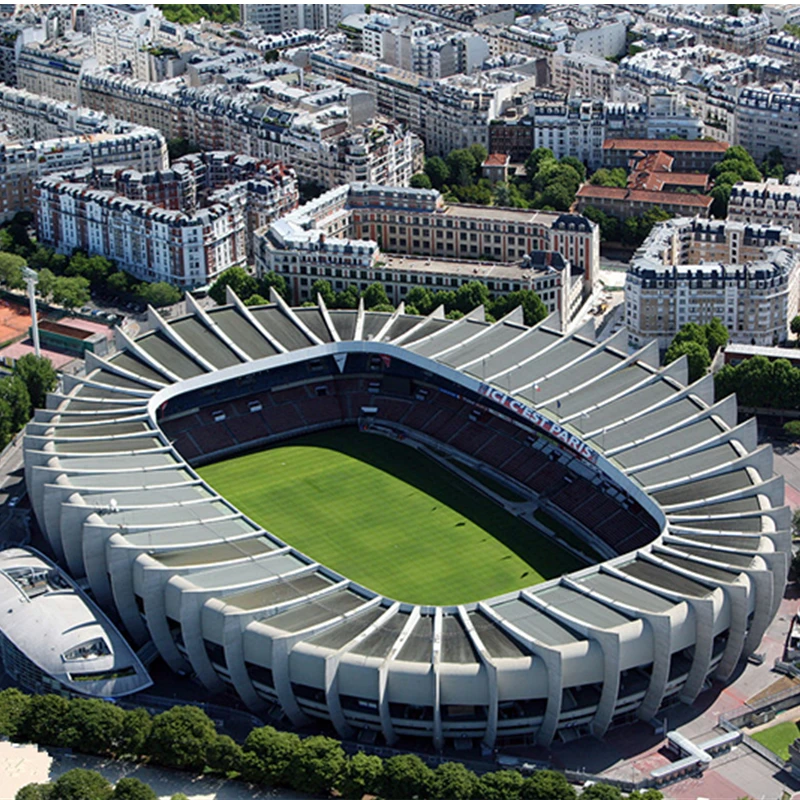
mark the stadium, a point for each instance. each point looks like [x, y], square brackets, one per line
[669, 559]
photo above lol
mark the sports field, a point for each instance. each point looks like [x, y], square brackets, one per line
[778, 737]
[387, 517]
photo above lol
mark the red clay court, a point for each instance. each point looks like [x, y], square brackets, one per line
[14, 321]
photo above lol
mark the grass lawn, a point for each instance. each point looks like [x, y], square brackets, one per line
[778, 738]
[387, 517]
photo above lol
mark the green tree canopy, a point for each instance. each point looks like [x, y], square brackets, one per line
[11, 270]
[81, 784]
[224, 755]
[420, 181]
[362, 775]
[14, 391]
[135, 731]
[453, 781]
[133, 789]
[13, 710]
[696, 354]
[275, 751]
[463, 167]
[181, 738]
[547, 785]
[325, 290]
[38, 375]
[437, 171]
[158, 294]
[92, 726]
[601, 791]
[502, 785]
[271, 280]
[406, 776]
[375, 295]
[238, 279]
[317, 765]
[258, 300]
[71, 292]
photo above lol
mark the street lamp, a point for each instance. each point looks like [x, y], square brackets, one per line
[31, 279]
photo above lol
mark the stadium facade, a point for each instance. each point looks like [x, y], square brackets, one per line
[659, 477]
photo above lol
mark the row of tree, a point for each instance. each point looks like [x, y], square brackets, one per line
[251, 291]
[761, 383]
[23, 390]
[632, 230]
[185, 738]
[87, 784]
[187, 13]
[70, 281]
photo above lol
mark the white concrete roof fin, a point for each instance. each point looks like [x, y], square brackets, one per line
[437, 313]
[208, 321]
[93, 361]
[458, 323]
[401, 309]
[480, 332]
[323, 309]
[133, 346]
[359, 331]
[160, 324]
[233, 298]
[287, 311]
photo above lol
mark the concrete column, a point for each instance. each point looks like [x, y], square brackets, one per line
[436, 652]
[69, 532]
[191, 620]
[120, 566]
[233, 642]
[553, 662]
[490, 670]
[154, 581]
[281, 649]
[95, 535]
[332, 700]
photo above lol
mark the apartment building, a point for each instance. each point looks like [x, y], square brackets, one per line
[767, 202]
[54, 68]
[355, 235]
[584, 74]
[769, 118]
[744, 34]
[279, 17]
[447, 114]
[189, 239]
[692, 270]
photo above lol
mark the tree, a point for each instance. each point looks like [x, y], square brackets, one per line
[34, 791]
[346, 299]
[453, 781]
[158, 294]
[601, 791]
[46, 283]
[225, 755]
[258, 300]
[136, 726]
[503, 785]
[547, 785]
[406, 776]
[696, 354]
[271, 280]
[616, 177]
[791, 430]
[375, 295]
[463, 167]
[794, 325]
[11, 270]
[6, 431]
[420, 181]
[317, 765]
[275, 751]
[421, 299]
[533, 308]
[14, 391]
[81, 784]
[71, 292]
[133, 789]
[362, 775]
[92, 726]
[716, 335]
[536, 158]
[95, 269]
[238, 279]
[437, 171]
[181, 738]
[118, 282]
[325, 291]
[646, 794]
[471, 295]
[38, 375]
[576, 164]
[13, 709]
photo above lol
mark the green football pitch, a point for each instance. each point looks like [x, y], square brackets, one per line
[387, 517]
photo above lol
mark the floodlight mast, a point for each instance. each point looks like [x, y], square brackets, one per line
[31, 279]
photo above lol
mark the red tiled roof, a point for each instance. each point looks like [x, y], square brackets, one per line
[587, 191]
[667, 145]
[496, 160]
